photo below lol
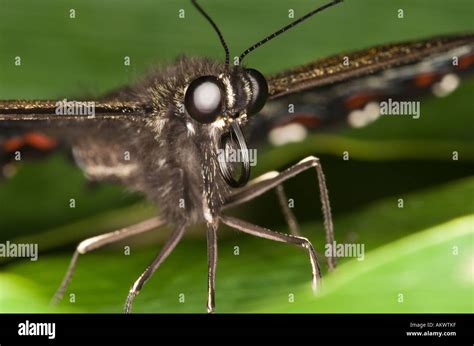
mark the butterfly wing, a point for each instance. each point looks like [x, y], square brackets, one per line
[338, 89]
[94, 129]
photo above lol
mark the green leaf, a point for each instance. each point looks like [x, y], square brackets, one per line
[264, 273]
[430, 271]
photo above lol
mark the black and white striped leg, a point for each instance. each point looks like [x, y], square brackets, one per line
[99, 241]
[159, 259]
[281, 237]
[271, 180]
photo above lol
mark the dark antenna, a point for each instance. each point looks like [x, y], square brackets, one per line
[221, 38]
[289, 26]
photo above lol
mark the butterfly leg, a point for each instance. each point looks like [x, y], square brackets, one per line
[163, 254]
[96, 242]
[276, 236]
[212, 264]
[287, 213]
[271, 180]
[282, 200]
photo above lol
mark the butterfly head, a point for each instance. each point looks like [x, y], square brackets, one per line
[227, 97]
[226, 100]
[219, 104]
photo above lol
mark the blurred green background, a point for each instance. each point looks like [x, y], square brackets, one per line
[418, 259]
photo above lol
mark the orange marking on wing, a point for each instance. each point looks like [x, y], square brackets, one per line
[358, 100]
[466, 61]
[424, 79]
[13, 144]
[306, 119]
[40, 141]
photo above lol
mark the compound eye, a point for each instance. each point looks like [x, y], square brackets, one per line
[259, 91]
[203, 99]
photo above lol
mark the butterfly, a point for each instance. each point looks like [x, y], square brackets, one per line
[181, 136]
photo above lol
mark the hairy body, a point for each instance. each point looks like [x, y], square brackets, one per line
[169, 157]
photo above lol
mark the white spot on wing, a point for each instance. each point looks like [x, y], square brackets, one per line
[287, 134]
[120, 170]
[446, 85]
[362, 117]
